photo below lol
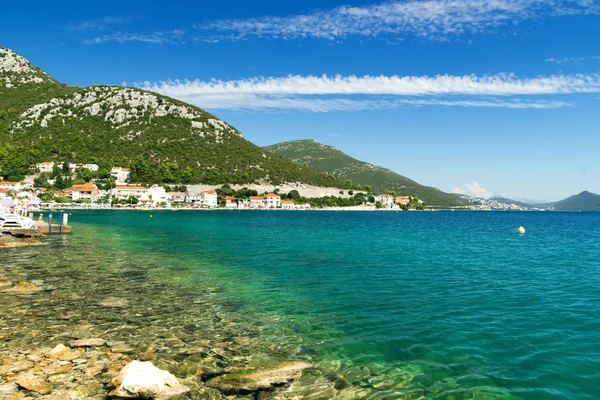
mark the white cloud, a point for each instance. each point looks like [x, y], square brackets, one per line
[97, 24]
[337, 93]
[163, 37]
[430, 19]
[576, 60]
[490, 85]
[473, 189]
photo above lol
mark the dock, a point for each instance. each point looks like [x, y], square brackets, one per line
[44, 228]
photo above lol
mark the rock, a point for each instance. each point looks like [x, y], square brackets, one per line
[114, 302]
[34, 383]
[121, 348]
[143, 380]
[8, 389]
[57, 369]
[4, 282]
[63, 353]
[25, 287]
[14, 367]
[259, 379]
[92, 342]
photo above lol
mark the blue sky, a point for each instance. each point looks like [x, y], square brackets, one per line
[471, 96]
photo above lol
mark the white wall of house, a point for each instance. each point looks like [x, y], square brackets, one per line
[209, 199]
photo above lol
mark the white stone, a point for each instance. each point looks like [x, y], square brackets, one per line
[141, 379]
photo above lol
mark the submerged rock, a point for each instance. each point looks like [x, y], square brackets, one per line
[15, 366]
[4, 282]
[25, 287]
[260, 379]
[34, 383]
[63, 353]
[114, 302]
[91, 342]
[141, 379]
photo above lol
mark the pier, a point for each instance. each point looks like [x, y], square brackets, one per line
[56, 224]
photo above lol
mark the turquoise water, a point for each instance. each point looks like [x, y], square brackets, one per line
[448, 305]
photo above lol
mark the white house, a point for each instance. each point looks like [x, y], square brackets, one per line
[120, 174]
[123, 192]
[3, 193]
[16, 186]
[91, 167]
[272, 200]
[45, 166]
[288, 204]
[257, 202]
[158, 195]
[88, 191]
[386, 200]
[209, 199]
[231, 202]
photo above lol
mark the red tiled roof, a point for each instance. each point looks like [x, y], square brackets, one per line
[271, 195]
[131, 188]
[287, 202]
[210, 192]
[256, 198]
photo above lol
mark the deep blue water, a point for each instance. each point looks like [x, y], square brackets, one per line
[457, 303]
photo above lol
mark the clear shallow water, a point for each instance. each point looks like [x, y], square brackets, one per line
[454, 304]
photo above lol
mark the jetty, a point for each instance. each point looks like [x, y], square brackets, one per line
[56, 224]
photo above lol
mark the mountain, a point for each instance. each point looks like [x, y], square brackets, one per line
[505, 200]
[160, 138]
[333, 161]
[584, 201]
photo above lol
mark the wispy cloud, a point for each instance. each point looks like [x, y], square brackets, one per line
[575, 60]
[491, 85]
[352, 93]
[473, 189]
[97, 24]
[163, 37]
[430, 19]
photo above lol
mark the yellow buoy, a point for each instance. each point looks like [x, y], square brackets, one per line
[150, 215]
[521, 230]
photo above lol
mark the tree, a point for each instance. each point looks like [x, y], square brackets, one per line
[378, 204]
[132, 200]
[65, 168]
[371, 199]
[293, 195]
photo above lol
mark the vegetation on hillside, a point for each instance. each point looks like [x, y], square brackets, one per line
[328, 159]
[163, 140]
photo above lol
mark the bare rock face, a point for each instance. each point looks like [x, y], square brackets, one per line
[141, 379]
[34, 383]
[259, 379]
[92, 342]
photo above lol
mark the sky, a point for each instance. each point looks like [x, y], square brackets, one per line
[498, 97]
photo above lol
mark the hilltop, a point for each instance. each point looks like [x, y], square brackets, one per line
[333, 161]
[584, 201]
[162, 139]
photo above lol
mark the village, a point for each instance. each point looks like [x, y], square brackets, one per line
[122, 193]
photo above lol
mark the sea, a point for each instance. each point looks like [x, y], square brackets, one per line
[406, 305]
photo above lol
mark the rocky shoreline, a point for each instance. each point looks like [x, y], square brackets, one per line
[11, 238]
[70, 339]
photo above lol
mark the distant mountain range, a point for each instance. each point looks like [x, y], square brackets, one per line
[331, 160]
[584, 201]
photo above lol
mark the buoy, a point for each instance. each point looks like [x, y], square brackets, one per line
[521, 230]
[150, 215]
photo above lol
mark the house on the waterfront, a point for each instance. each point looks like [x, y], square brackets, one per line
[120, 174]
[231, 202]
[3, 193]
[209, 199]
[178, 198]
[256, 202]
[272, 200]
[288, 204]
[11, 186]
[87, 191]
[402, 200]
[387, 200]
[158, 195]
[124, 192]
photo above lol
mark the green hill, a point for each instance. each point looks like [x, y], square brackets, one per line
[160, 138]
[584, 201]
[330, 160]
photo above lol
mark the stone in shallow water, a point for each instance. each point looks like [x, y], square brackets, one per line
[4, 282]
[91, 342]
[15, 366]
[63, 353]
[260, 379]
[34, 383]
[7, 390]
[25, 287]
[114, 302]
[144, 380]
